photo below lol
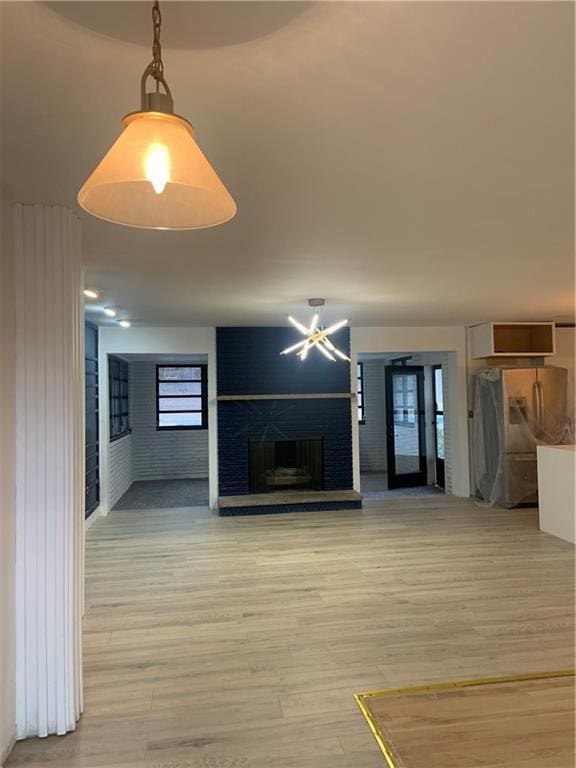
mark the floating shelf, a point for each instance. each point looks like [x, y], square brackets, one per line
[513, 340]
[319, 396]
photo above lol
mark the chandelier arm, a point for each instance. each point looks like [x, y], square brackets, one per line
[335, 349]
[329, 344]
[326, 353]
[313, 323]
[340, 354]
[337, 326]
[296, 324]
[303, 354]
[294, 347]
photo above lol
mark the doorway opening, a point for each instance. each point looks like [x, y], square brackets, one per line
[158, 431]
[401, 423]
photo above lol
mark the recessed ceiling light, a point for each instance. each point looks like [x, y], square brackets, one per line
[124, 323]
[110, 312]
[90, 293]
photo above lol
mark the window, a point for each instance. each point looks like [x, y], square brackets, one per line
[405, 400]
[118, 381]
[360, 393]
[181, 397]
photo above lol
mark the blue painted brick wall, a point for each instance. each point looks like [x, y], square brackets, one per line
[249, 363]
[242, 421]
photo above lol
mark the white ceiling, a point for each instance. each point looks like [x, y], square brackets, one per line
[411, 162]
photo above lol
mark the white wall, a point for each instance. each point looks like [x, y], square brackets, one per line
[7, 479]
[161, 454]
[450, 340]
[157, 341]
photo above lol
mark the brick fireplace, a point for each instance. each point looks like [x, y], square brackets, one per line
[284, 426]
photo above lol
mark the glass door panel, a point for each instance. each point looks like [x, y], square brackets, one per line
[405, 426]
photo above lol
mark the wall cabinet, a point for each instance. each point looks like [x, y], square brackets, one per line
[512, 340]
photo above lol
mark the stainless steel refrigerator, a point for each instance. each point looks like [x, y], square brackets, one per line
[516, 409]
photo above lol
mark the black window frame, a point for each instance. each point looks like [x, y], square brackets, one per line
[203, 395]
[91, 406]
[118, 371]
[360, 391]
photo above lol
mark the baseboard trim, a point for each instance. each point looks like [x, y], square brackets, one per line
[89, 521]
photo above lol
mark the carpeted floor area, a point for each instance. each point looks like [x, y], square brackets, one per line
[164, 494]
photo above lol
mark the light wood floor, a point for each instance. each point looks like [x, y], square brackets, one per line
[519, 724]
[239, 642]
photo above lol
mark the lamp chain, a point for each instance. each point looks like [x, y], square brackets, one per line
[157, 68]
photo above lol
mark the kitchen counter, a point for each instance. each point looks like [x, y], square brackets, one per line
[556, 490]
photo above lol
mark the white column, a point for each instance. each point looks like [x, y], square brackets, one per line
[213, 481]
[50, 466]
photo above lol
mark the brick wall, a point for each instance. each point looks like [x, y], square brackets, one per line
[373, 431]
[120, 463]
[249, 362]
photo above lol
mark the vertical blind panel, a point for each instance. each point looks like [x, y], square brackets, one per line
[50, 469]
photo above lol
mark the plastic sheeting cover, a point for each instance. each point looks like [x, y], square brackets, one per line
[506, 435]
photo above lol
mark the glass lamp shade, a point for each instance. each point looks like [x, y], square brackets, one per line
[155, 176]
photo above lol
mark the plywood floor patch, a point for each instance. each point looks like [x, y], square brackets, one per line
[520, 721]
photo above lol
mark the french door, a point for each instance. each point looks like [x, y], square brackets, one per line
[405, 426]
[439, 425]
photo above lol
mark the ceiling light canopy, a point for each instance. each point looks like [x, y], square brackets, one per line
[155, 175]
[110, 311]
[90, 293]
[316, 335]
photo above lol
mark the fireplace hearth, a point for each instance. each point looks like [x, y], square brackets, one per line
[286, 465]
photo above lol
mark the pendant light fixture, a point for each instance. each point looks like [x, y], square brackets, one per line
[316, 335]
[155, 176]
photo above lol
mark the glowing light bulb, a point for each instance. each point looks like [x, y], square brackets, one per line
[157, 166]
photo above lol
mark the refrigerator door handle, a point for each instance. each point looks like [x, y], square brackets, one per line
[538, 408]
[542, 405]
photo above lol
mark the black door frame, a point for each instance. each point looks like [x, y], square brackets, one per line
[439, 463]
[412, 479]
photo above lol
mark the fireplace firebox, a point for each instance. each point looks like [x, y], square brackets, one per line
[286, 465]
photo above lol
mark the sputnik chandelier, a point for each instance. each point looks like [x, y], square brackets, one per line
[316, 335]
[155, 176]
